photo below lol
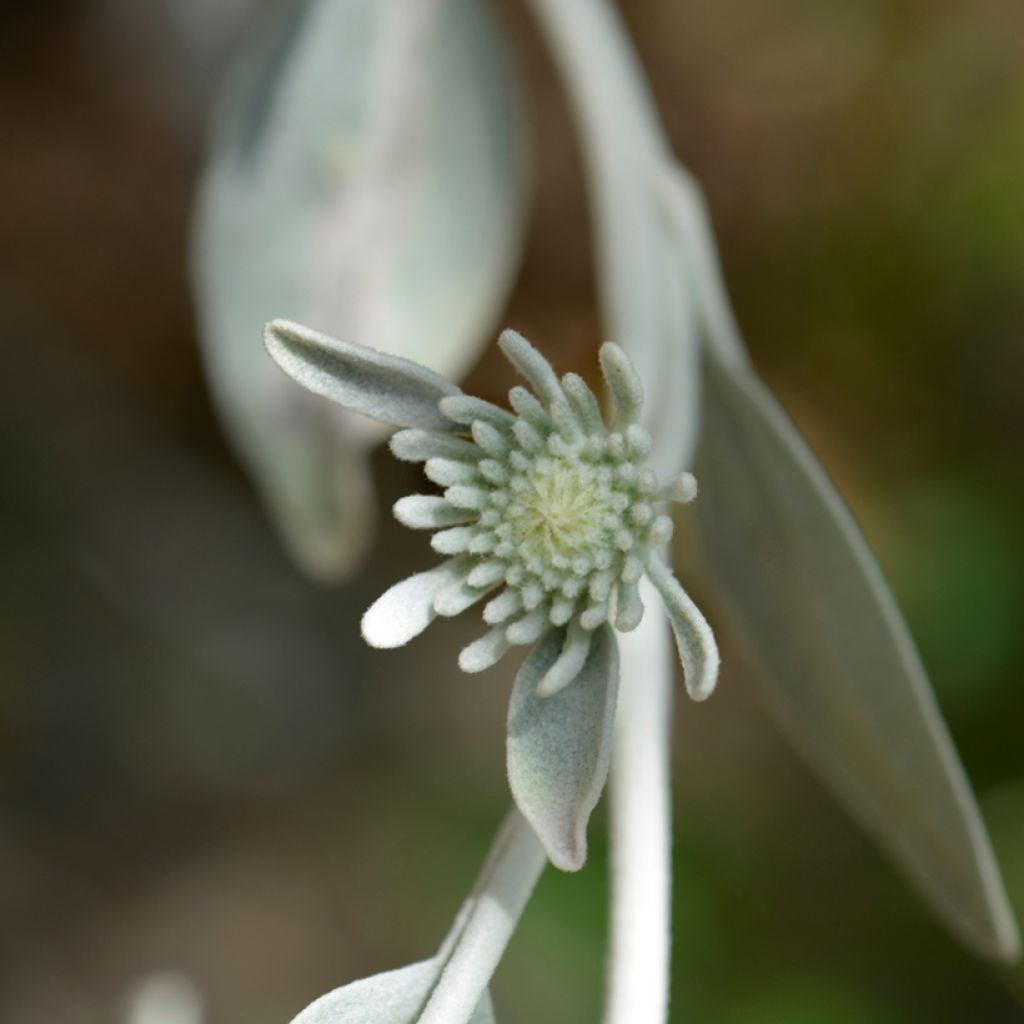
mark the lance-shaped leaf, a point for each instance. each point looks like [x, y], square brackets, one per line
[384, 387]
[559, 746]
[394, 997]
[366, 175]
[840, 668]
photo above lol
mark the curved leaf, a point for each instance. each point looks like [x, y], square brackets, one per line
[366, 175]
[559, 746]
[840, 668]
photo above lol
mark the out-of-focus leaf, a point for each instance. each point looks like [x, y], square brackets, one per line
[394, 997]
[366, 175]
[840, 668]
[559, 747]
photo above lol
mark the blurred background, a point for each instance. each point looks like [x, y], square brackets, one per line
[202, 768]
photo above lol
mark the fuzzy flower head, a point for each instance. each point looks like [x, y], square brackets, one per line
[548, 513]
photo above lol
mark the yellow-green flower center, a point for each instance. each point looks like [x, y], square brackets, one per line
[559, 510]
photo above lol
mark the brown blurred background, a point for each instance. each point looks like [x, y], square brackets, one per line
[201, 768]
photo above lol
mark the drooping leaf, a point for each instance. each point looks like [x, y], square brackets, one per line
[559, 746]
[839, 666]
[366, 176]
[394, 997]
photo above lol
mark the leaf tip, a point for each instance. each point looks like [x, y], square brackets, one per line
[569, 857]
[276, 336]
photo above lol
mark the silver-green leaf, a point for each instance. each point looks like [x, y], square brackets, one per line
[394, 997]
[384, 387]
[559, 746]
[366, 174]
[840, 668]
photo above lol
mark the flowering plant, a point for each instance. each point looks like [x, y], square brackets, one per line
[558, 521]
[547, 509]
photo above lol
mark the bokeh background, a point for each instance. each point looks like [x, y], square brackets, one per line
[201, 768]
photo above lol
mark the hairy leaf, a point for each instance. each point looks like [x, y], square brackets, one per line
[384, 387]
[559, 746]
[394, 997]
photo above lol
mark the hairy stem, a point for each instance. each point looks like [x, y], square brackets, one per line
[641, 824]
[646, 309]
[649, 310]
[485, 924]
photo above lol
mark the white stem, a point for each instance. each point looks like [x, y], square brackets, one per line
[486, 922]
[621, 141]
[627, 152]
[640, 275]
[625, 148]
[641, 823]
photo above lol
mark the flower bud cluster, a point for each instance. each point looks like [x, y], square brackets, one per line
[548, 512]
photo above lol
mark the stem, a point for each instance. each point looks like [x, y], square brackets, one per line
[486, 922]
[641, 823]
[624, 148]
[625, 141]
[649, 310]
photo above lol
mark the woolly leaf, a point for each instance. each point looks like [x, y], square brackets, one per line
[394, 997]
[559, 746]
[375, 384]
[840, 668]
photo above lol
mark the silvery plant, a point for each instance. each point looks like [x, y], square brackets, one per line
[362, 211]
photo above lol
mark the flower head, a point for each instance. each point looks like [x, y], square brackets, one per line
[548, 513]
